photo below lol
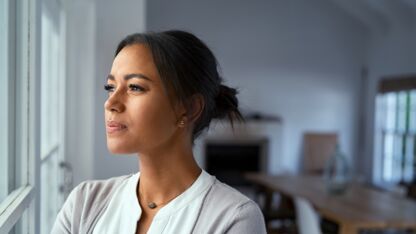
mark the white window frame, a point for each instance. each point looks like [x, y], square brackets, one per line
[23, 203]
[6, 67]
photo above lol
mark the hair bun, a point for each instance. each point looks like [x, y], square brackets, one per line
[226, 101]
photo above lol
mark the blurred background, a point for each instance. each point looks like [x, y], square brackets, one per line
[312, 75]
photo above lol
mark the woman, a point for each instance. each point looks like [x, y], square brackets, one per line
[164, 89]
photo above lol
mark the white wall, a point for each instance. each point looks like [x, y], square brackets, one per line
[297, 59]
[114, 21]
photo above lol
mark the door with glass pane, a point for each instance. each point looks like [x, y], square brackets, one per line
[52, 111]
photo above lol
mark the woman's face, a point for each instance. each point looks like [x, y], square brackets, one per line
[138, 113]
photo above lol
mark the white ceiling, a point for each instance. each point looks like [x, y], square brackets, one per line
[381, 15]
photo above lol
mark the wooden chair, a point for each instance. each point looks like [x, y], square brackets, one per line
[317, 149]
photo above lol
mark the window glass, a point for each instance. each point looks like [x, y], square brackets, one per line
[398, 126]
[50, 95]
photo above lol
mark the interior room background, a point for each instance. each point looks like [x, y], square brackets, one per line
[314, 65]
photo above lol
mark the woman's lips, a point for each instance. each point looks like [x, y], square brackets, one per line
[114, 126]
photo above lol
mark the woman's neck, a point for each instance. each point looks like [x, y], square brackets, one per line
[164, 176]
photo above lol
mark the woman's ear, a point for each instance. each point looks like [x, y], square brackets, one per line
[195, 107]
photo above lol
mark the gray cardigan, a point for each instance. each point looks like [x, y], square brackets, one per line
[224, 209]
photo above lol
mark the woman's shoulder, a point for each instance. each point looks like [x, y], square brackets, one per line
[105, 186]
[227, 195]
[84, 204]
[95, 194]
[231, 210]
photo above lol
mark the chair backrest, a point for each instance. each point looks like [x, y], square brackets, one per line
[317, 148]
[307, 220]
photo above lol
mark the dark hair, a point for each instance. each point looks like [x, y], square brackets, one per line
[186, 67]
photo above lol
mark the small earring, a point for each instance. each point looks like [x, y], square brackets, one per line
[182, 123]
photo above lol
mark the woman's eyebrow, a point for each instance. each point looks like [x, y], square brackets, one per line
[130, 76]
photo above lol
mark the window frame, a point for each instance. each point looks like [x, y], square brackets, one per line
[23, 203]
[6, 64]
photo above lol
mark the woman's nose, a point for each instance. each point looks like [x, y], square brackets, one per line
[115, 103]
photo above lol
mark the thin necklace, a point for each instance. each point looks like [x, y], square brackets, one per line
[152, 205]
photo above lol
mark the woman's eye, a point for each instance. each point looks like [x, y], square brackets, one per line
[136, 88]
[109, 88]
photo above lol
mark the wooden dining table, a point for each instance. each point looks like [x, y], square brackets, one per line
[360, 207]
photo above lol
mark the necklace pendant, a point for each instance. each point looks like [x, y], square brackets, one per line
[152, 205]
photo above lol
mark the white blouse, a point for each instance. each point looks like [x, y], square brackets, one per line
[111, 206]
[178, 216]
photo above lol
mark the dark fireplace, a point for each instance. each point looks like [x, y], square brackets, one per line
[228, 161]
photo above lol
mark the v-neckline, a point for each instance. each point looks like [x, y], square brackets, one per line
[200, 185]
